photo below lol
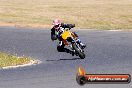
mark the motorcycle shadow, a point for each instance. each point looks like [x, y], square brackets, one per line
[71, 59]
[66, 51]
[67, 59]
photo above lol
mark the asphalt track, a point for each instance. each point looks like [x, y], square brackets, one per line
[106, 52]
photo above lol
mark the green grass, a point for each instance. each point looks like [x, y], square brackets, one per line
[12, 60]
[97, 14]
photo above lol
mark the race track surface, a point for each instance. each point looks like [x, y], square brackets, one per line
[106, 52]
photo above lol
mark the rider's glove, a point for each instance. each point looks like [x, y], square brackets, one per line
[71, 25]
[67, 25]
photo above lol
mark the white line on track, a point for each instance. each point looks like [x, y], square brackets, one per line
[32, 62]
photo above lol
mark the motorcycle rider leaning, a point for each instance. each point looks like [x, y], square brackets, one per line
[57, 30]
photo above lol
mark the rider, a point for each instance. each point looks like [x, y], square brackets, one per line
[58, 28]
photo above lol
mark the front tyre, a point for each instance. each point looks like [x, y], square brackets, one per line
[81, 54]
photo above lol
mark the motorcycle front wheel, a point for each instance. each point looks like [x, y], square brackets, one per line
[78, 51]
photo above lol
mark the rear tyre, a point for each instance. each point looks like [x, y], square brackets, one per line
[81, 54]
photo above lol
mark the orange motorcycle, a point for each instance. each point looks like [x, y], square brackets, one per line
[70, 40]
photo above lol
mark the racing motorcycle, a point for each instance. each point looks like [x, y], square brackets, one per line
[70, 40]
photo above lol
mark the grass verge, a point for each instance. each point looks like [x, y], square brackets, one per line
[12, 60]
[94, 14]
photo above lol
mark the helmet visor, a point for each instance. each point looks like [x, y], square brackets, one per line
[57, 27]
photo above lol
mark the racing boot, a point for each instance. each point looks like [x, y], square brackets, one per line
[72, 52]
[81, 44]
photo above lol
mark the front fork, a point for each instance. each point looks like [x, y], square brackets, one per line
[74, 40]
[71, 46]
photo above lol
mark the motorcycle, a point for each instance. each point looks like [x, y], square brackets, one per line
[70, 40]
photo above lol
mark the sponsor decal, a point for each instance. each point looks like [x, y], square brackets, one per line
[82, 78]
